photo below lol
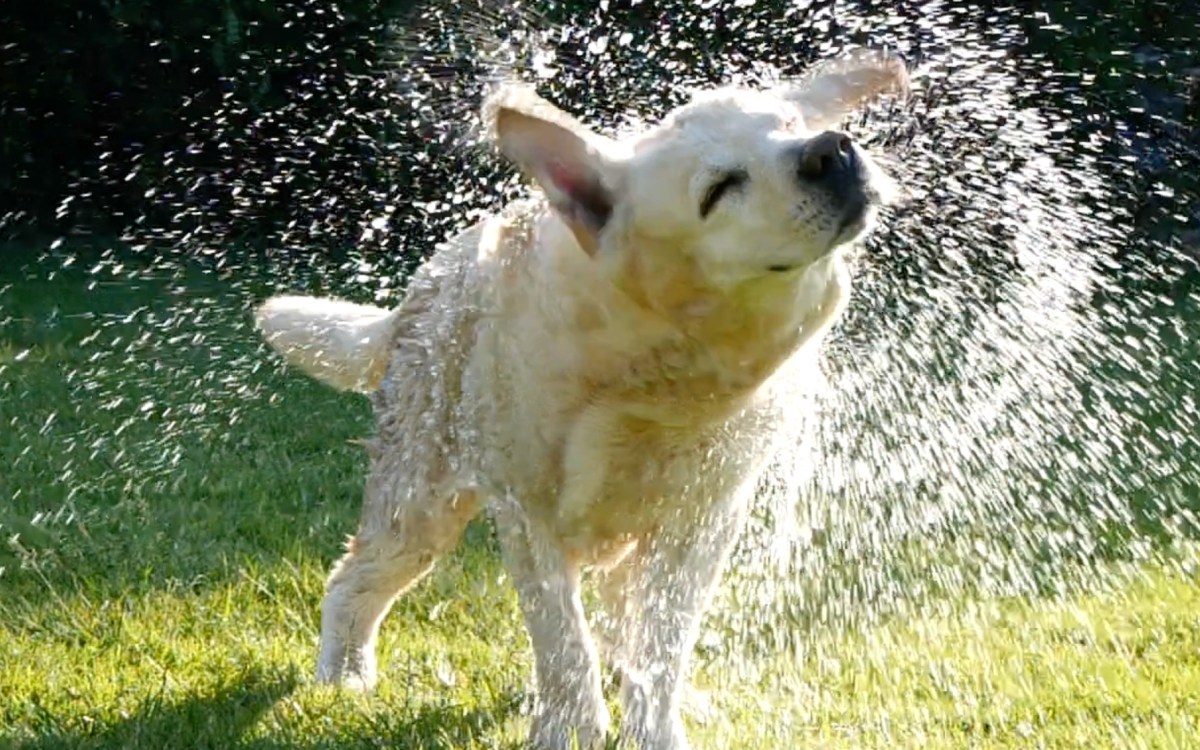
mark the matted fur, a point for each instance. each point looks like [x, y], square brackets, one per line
[603, 368]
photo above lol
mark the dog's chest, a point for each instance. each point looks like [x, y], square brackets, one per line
[625, 477]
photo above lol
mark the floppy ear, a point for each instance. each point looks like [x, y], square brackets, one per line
[834, 88]
[567, 160]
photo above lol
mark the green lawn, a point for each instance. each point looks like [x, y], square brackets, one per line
[170, 501]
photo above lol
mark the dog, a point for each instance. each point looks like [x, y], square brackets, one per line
[602, 366]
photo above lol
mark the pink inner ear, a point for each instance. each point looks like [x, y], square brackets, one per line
[571, 182]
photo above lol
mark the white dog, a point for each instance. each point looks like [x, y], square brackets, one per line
[600, 369]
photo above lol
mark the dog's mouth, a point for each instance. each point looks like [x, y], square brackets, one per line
[854, 219]
[851, 197]
[852, 223]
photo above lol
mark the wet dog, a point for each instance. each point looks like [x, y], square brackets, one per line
[600, 367]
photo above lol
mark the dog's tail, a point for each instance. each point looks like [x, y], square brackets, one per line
[342, 344]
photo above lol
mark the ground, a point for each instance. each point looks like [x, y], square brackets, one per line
[167, 525]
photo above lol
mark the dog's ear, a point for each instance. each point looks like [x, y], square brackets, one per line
[834, 88]
[567, 161]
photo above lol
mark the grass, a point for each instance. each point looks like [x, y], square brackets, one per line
[170, 504]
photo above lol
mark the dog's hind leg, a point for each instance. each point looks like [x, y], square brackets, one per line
[391, 552]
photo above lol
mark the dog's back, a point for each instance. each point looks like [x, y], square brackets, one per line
[411, 360]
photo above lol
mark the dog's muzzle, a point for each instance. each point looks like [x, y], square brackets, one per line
[831, 161]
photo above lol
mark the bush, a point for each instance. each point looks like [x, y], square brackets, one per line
[124, 77]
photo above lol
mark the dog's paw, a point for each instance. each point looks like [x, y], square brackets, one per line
[358, 683]
[584, 728]
[355, 675]
[698, 704]
[352, 682]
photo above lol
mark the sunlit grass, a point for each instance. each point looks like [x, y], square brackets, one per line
[162, 574]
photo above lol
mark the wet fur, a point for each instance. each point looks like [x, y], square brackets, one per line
[601, 369]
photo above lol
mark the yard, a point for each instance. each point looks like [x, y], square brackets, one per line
[168, 520]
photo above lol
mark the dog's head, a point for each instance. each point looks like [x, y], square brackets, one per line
[736, 185]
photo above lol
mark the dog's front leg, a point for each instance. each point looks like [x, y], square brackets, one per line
[679, 572]
[570, 711]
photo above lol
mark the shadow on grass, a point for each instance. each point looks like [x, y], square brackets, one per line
[221, 718]
[214, 718]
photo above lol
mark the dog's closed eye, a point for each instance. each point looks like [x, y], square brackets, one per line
[728, 181]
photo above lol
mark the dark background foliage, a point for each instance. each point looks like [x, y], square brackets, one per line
[100, 99]
[93, 86]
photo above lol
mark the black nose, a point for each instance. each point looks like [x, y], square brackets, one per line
[829, 154]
